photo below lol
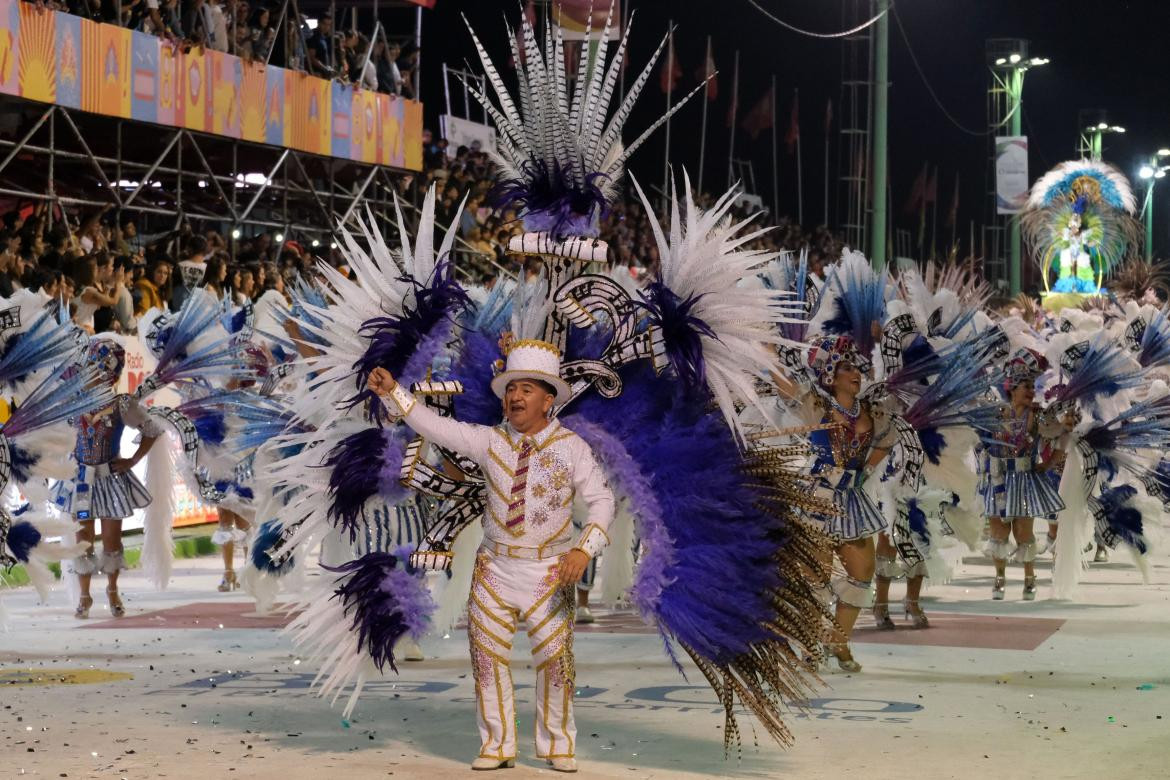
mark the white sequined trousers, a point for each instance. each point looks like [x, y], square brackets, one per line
[504, 592]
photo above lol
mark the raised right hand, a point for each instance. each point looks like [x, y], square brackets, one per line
[381, 382]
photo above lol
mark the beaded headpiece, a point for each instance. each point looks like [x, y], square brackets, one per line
[1024, 366]
[826, 353]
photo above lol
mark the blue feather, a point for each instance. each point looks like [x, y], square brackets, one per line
[269, 538]
[22, 538]
[45, 343]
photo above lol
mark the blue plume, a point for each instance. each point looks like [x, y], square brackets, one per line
[1154, 349]
[23, 462]
[955, 397]
[45, 343]
[1104, 370]
[859, 300]
[269, 538]
[58, 398]
[363, 465]
[682, 332]
[1122, 519]
[22, 538]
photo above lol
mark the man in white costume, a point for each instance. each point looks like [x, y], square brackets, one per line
[531, 557]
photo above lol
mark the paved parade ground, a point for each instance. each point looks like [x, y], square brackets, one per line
[189, 685]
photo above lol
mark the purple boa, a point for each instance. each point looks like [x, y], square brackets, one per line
[714, 588]
[632, 483]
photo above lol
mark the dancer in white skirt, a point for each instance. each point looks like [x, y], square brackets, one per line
[1014, 488]
[105, 487]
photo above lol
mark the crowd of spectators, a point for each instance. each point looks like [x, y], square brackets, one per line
[252, 32]
[484, 231]
[108, 274]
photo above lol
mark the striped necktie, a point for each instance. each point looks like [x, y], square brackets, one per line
[520, 484]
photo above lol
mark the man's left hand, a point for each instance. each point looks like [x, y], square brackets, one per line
[572, 566]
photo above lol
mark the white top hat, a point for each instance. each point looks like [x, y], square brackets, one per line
[533, 359]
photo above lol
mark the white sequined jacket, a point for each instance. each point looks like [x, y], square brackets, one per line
[529, 499]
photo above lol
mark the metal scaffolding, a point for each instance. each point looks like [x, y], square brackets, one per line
[855, 110]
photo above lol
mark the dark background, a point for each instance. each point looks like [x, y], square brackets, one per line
[1104, 55]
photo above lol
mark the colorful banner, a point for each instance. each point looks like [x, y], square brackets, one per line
[144, 75]
[68, 61]
[9, 46]
[56, 58]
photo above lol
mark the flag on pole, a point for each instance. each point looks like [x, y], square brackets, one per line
[733, 106]
[930, 194]
[707, 73]
[760, 117]
[793, 134]
[953, 212]
[829, 117]
[917, 193]
[670, 72]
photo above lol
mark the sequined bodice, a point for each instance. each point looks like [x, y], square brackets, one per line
[840, 446]
[99, 435]
[1015, 438]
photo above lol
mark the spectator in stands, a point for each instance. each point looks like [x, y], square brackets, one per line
[215, 277]
[98, 288]
[407, 62]
[247, 287]
[153, 290]
[191, 270]
[319, 48]
[385, 59]
[197, 22]
[217, 30]
[124, 320]
[261, 35]
[362, 72]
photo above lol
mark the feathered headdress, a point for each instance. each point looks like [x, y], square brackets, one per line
[1101, 199]
[560, 157]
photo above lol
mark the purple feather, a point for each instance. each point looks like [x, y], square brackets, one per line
[551, 202]
[395, 340]
[364, 465]
[636, 487]
[387, 598]
[713, 586]
[682, 332]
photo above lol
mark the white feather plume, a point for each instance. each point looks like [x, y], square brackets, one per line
[703, 258]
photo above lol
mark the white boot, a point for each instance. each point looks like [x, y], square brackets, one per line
[563, 764]
[482, 764]
[584, 615]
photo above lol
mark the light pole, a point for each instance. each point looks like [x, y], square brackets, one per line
[1009, 71]
[881, 86]
[1151, 172]
[1093, 136]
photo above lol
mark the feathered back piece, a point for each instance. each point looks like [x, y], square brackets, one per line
[1149, 341]
[1097, 194]
[1095, 368]
[560, 150]
[719, 333]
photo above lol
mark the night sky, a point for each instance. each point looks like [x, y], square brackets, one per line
[1104, 55]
